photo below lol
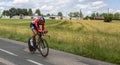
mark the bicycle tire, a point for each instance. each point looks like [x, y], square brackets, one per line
[40, 47]
[31, 49]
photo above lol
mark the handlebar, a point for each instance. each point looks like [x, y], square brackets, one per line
[44, 33]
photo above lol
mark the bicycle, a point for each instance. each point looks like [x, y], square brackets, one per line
[41, 45]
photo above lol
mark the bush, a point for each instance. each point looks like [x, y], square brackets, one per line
[108, 18]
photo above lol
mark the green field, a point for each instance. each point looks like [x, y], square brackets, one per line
[88, 38]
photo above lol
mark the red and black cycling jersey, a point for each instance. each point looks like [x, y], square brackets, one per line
[36, 22]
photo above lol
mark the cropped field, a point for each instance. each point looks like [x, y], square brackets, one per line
[88, 38]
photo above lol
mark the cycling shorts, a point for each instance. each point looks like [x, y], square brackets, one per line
[32, 26]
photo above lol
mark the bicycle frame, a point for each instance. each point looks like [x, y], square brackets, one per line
[42, 45]
[40, 36]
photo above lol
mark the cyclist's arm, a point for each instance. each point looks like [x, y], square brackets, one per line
[37, 26]
[43, 27]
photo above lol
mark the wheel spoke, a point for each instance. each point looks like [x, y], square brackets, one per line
[43, 48]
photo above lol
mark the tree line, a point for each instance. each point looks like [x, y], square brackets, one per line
[76, 14]
[114, 16]
[18, 11]
[28, 12]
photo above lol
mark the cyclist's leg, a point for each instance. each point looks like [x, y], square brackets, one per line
[33, 30]
[34, 33]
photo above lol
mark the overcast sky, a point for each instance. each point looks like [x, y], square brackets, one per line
[64, 6]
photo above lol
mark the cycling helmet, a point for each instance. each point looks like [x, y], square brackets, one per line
[42, 20]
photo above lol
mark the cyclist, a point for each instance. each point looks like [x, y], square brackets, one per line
[34, 25]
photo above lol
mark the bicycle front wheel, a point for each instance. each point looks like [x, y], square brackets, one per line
[43, 48]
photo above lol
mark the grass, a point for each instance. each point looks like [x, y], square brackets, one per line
[88, 38]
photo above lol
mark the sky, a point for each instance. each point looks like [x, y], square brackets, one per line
[65, 6]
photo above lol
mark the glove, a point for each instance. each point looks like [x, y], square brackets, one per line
[40, 31]
[44, 31]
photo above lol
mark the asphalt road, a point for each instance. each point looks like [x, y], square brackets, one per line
[16, 53]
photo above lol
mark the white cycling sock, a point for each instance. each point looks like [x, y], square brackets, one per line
[31, 42]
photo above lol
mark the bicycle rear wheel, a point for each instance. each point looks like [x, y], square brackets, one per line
[43, 48]
[31, 48]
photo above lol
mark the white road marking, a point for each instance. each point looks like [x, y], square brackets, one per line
[34, 62]
[6, 62]
[8, 52]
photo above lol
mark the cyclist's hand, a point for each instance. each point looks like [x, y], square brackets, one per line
[45, 31]
[40, 31]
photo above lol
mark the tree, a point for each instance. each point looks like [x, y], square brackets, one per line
[97, 14]
[81, 14]
[87, 17]
[38, 12]
[103, 14]
[7, 12]
[3, 13]
[116, 16]
[70, 14]
[30, 12]
[93, 15]
[19, 11]
[108, 18]
[60, 14]
[48, 14]
[12, 12]
[24, 12]
[74, 14]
